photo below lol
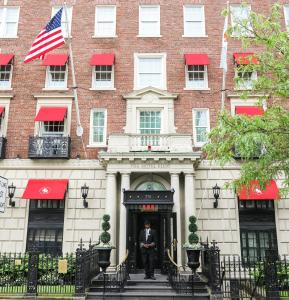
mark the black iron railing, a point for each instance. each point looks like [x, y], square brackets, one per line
[3, 141]
[49, 147]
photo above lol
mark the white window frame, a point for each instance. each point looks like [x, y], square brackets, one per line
[98, 35]
[157, 33]
[206, 81]
[236, 34]
[155, 109]
[200, 144]
[55, 9]
[241, 86]
[203, 33]
[43, 133]
[95, 144]
[286, 15]
[99, 88]
[3, 27]
[9, 84]
[5, 102]
[163, 57]
[48, 85]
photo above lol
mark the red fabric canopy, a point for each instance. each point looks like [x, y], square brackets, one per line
[102, 60]
[254, 192]
[55, 60]
[197, 59]
[2, 109]
[245, 59]
[38, 189]
[249, 110]
[5, 59]
[49, 113]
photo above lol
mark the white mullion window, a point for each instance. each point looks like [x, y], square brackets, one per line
[6, 76]
[245, 79]
[286, 16]
[9, 18]
[98, 127]
[103, 77]
[194, 21]
[196, 77]
[201, 126]
[149, 20]
[56, 77]
[105, 21]
[240, 14]
[64, 20]
[52, 128]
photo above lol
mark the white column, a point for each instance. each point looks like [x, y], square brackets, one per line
[175, 184]
[125, 184]
[190, 200]
[110, 209]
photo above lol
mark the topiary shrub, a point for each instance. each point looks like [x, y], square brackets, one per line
[193, 238]
[105, 235]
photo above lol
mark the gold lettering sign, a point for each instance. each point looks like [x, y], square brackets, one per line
[18, 262]
[62, 266]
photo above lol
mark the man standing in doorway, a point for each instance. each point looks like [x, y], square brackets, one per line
[148, 243]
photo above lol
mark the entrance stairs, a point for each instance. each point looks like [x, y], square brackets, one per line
[138, 288]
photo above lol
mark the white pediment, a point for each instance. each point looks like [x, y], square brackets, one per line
[150, 92]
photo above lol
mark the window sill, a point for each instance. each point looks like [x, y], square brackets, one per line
[149, 36]
[97, 146]
[195, 36]
[2, 89]
[55, 89]
[104, 37]
[242, 89]
[8, 37]
[196, 89]
[197, 145]
[102, 89]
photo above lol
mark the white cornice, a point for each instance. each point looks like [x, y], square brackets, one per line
[55, 96]
[162, 94]
[6, 96]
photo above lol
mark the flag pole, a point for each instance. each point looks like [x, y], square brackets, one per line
[79, 129]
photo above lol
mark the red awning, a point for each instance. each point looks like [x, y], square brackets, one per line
[102, 60]
[2, 109]
[55, 60]
[49, 113]
[249, 110]
[245, 59]
[254, 192]
[5, 59]
[38, 189]
[197, 59]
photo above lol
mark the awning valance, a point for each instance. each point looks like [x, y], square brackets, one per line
[38, 189]
[55, 60]
[249, 110]
[47, 113]
[2, 109]
[254, 192]
[245, 59]
[102, 60]
[192, 59]
[5, 59]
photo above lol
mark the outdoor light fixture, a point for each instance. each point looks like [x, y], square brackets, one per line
[84, 193]
[11, 192]
[216, 192]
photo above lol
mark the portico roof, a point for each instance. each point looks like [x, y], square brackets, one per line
[138, 94]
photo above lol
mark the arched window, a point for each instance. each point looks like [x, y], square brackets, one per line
[151, 186]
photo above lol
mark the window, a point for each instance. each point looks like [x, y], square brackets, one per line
[150, 127]
[150, 71]
[286, 15]
[194, 20]
[52, 128]
[149, 20]
[9, 17]
[239, 18]
[56, 77]
[197, 77]
[103, 77]
[105, 21]
[201, 126]
[5, 76]
[245, 80]
[46, 204]
[64, 21]
[98, 127]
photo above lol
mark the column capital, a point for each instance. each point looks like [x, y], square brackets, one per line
[177, 173]
[125, 172]
[189, 173]
[110, 173]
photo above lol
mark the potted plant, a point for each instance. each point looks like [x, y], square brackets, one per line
[193, 247]
[104, 248]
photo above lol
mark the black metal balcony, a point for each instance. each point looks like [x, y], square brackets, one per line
[2, 147]
[49, 147]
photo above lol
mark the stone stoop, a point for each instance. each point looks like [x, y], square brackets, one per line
[137, 288]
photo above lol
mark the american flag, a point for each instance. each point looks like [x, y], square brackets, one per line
[48, 39]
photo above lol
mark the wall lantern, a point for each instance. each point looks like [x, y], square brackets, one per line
[11, 193]
[84, 193]
[216, 192]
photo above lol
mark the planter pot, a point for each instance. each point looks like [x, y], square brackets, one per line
[104, 258]
[193, 259]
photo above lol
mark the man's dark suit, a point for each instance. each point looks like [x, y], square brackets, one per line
[148, 254]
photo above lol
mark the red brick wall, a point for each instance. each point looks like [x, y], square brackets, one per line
[29, 79]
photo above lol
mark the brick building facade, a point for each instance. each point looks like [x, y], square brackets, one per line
[149, 83]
